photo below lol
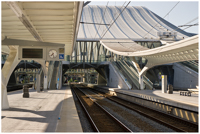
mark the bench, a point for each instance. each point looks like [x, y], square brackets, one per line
[188, 93]
[185, 93]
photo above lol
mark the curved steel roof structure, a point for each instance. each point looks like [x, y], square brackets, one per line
[137, 23]
[134, 23]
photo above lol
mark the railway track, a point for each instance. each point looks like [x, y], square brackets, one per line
[170, 121]
[100, 119]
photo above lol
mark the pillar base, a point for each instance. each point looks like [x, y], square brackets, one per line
[4, 98]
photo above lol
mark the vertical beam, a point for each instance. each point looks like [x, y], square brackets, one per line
[45, 71]
[98, 49]
[86, 51]
[84, 55]
[80, 51]
[141, 82]
[91, 52]
[46, 76]
[76, 46]
[38, 82]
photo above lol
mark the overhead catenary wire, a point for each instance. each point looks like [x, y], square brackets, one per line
[110, 21]
[101, 19]
[190, 26]
[114, 17]
[115, 20]
[186, 24]
[160, 20]
[192, 20]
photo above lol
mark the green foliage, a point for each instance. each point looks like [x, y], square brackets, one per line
[71, 80]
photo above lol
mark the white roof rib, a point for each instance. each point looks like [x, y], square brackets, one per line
[134, 22]
[183, 50]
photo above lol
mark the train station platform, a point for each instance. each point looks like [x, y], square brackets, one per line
[52, 111]
[175, 99]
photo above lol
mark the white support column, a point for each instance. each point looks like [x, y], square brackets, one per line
[46, 77]
[147, 67]
[164, 83]
[9, 66]
[84, 78]
[136, 65]
[45, 83]
[141, 82]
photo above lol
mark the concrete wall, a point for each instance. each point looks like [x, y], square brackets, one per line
[115, 81]
[184, 77]
[100, 80]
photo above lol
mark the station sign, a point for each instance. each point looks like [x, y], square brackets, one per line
[48, 53]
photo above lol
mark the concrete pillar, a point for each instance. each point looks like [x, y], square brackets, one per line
[141, 82]
[164, 83]
[38, 82]
[84, 78]
[45, 83]
[9, 66]
[4, 98]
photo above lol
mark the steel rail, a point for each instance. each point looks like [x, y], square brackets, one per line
[114, 118]
[86, 112]
[149, 116]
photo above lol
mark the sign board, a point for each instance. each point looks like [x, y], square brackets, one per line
[48, 53]
[61, 56]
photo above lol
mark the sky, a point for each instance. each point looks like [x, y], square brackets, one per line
[184, 12]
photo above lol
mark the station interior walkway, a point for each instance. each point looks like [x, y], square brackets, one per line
[41, 112]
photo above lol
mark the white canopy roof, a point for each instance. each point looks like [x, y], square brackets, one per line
[55, 22]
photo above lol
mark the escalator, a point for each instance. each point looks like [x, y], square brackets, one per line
[133, 70]
[53, 79]
[194, 65]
